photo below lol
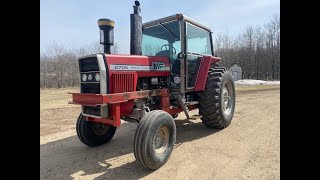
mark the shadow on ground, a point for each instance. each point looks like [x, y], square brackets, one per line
[67, 158]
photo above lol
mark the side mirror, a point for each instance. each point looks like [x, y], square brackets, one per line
[181, 55]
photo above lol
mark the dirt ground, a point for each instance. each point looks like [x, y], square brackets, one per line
[248, 149]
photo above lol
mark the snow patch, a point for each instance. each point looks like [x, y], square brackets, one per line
[255, 82]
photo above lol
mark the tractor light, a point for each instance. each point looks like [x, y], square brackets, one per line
[154, 81]
[97, 77]
[176, 80]
[84, 77]
[179, 16]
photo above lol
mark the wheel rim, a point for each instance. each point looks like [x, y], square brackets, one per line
[227, 98]
[161, 139]
[99, 128]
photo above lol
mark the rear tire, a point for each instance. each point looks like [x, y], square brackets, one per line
[217, 101]
[93, 133]
[154, 139]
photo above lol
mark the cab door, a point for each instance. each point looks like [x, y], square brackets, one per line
[198, 44]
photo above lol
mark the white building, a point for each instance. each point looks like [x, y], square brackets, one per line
[236, 72]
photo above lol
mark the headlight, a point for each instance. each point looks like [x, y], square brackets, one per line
[97, 77]
[84, 77]
[176, 80]
[154, 81]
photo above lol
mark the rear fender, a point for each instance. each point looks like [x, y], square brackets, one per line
[205, 65]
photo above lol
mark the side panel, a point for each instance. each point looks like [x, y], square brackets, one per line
[203, 72]
[124, 71]
[144, 66]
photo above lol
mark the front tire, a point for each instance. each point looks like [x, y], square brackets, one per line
[217, 101]
[93, 133]
[154, 139]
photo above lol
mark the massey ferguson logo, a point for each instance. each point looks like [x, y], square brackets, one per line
[158, 65]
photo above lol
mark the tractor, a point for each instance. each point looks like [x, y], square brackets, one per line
[171, 68]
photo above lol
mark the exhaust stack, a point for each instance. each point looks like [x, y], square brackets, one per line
[106, 34]
[136, 30]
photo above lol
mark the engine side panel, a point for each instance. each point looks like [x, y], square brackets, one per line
[144, 66]
[124, 72]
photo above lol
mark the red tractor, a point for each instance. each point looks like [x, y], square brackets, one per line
[172, 68]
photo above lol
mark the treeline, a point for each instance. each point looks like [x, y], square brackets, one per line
[256, 50]
[59, 66]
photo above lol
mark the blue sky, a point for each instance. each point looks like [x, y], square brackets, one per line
[73, 23]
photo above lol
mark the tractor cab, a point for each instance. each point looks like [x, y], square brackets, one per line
[183, 41]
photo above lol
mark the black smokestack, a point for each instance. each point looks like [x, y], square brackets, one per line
[136, 30]
[106, 34]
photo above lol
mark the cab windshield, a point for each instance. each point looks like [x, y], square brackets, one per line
[162, 39]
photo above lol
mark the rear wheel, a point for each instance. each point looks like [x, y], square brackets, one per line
[93, 133]
[154, 139]
[217, 101]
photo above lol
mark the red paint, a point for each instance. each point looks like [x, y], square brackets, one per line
[98, 99]
[86, 99]
[206, 61]
[116, 114]
[106, 121]
[123, 81]
[135, 59]
[115, 101]
[126, 81]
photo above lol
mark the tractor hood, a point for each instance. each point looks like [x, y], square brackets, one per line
[144, 66]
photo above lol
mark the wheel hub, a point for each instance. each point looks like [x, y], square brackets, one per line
[226, 98]
[161, 139]
[99, 128]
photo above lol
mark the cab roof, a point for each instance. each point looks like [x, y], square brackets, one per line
[175, 17]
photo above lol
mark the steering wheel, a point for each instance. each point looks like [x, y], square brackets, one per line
[167, 45]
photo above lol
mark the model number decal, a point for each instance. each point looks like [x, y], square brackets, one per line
[121, 67]
[156, 66]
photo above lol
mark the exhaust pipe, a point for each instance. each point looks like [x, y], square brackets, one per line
[136, 30]
[106, 34]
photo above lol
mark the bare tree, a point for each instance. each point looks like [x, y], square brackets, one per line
[256, 50]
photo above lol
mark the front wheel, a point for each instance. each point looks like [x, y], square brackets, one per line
[93, 133]
[154, 139]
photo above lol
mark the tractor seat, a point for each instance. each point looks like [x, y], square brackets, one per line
[163, 53]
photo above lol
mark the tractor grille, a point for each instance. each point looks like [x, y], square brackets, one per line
[93, 88]
[89, 64]
[123, 82]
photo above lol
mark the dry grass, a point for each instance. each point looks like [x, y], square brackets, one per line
[56, 114]
[56, 98]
